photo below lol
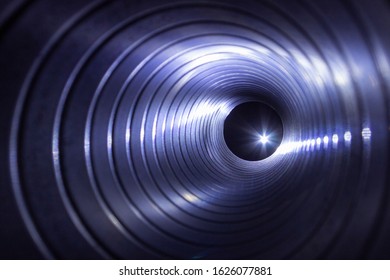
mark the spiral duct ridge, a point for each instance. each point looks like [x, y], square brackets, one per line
[113, 137]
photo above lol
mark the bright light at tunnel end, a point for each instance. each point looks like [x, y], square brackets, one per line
[263, 139]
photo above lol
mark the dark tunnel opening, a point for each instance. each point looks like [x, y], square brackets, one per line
[253, 131]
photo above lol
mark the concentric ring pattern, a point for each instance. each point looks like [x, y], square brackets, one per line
[113, 116]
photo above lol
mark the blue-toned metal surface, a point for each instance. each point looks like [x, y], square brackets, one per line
[112, 117]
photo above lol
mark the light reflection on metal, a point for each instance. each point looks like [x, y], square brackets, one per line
[366, 133]
[320, 143]
[347, 136]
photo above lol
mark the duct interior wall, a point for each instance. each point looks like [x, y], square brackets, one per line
[113, 140]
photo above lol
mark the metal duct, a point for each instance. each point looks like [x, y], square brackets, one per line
[112, 129]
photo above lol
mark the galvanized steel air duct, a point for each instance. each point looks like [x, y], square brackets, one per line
[112, 129]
